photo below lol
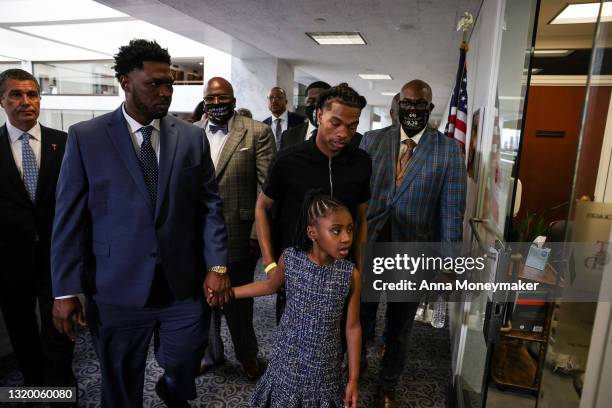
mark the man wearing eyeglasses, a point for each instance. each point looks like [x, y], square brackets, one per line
[241, 150]
[281, 118]
[417, 197]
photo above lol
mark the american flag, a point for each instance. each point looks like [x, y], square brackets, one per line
[457, 118]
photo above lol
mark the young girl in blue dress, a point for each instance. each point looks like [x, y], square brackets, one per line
[305, 368]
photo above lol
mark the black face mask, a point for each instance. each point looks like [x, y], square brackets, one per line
[311, 114]
[220, 113]
[413, 120]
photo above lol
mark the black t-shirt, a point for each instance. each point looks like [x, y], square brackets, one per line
[300, 168]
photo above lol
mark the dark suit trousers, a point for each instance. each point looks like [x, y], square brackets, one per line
[239, 317]
[398, 323]
[44, 355]
[122, 336]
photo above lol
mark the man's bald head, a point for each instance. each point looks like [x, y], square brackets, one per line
[417, 87]
[218, 86]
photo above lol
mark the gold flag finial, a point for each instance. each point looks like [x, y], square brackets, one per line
[465, 24]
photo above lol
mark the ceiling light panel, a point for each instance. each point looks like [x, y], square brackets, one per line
[337, 38]
[375, 76]
[583, 13]
[552, 53]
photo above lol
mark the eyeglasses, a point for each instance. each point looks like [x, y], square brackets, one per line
[218, 98]
[419, 104]
[276, 98]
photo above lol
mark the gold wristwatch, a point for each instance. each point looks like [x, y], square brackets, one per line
[220, 269]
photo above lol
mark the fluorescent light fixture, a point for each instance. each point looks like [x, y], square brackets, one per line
[388, 93]
[337, 38]
[552, 53]
[535, 71]
[375, 76]
[583, 13]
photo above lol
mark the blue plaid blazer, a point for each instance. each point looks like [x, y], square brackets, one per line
[429, 204]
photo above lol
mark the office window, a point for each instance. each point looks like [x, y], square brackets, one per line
[76, 78]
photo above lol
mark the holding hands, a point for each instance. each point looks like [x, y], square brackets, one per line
[217, 286]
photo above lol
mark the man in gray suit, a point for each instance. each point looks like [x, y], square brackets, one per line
[241, 150]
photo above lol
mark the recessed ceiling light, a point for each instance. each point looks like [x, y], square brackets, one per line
[388, 93]
[583, 13]
[552, 53]
[337, 38]
[375, 76]
[201, 63]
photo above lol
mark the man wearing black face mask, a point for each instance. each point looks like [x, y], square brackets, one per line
[241, 150]
[417, 197]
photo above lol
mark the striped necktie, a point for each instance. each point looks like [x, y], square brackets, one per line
[30, 167]
[406, 149]
[278, 132]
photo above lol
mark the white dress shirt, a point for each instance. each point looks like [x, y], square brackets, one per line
[284, 118]
[217, 140]
[416, 138]
[311, 127]
[16, 144]
[136, 135]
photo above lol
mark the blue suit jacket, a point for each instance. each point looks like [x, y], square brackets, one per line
[429, 204]
[293, 119]
[107, 238]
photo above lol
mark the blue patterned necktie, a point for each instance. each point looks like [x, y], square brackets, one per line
[148, 163]
[30, 168]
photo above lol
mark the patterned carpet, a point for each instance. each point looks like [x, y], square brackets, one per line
[424, 383]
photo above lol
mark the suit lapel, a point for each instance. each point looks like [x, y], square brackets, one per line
[121, 139]
[48, 159]
[168, 139]
[233, 140]
[7, 163]
[393, 137]
[421, 154]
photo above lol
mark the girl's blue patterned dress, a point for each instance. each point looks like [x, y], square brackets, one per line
[305, 369]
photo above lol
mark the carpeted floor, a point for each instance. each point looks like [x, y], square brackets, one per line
[424, 382]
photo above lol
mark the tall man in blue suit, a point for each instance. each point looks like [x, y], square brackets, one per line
[419, 196]
[138, 221]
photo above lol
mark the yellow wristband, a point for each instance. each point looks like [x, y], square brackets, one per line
[270, 266]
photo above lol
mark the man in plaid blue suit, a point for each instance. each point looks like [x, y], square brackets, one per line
[417, 196]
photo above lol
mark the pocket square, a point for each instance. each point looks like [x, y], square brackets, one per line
[243, 149]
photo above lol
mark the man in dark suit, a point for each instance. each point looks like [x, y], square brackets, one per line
[30, 160]
[281, 118]
[418, 196]
[241, 150]
[138, 221]
[304, 130]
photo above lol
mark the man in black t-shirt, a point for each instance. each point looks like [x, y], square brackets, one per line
[326, 162]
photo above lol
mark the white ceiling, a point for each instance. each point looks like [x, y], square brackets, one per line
[406, 39]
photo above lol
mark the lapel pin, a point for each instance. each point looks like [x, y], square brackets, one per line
[53, 146]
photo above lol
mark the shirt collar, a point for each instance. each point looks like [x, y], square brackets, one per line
[133, 125]
[230, 123]
[416, 138]
[311, 127]
[283, 117]
[15, 133]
